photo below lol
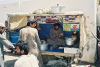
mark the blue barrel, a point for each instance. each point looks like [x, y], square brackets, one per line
[14, 37]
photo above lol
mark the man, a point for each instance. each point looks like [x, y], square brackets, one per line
[26, 59]
[56, 36]
[5, 42]
[6, 30]
[5, 34]
[30, 35]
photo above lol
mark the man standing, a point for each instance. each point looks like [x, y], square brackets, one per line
[56, 36]
[30, 35]
[5, 42]
[26, 59]
[6, 30]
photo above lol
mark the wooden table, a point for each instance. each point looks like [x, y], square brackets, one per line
[59, 54]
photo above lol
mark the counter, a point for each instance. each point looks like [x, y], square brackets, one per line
[58, 52]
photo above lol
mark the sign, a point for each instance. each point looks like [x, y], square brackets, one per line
[74, 27]
[66, 27]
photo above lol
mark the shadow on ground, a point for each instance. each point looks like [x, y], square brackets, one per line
[10, 59]
[10, 63]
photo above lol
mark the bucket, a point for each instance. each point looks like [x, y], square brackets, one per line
[14, 37]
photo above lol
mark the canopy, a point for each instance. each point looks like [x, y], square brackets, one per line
[29, 14]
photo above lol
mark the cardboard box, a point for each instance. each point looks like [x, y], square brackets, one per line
[71, 50]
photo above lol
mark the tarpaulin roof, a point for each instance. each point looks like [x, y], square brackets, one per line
[17, 14]
[28, 14]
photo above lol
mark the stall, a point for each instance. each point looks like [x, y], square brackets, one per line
[69, 22]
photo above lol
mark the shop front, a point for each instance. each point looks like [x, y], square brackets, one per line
[72, 24]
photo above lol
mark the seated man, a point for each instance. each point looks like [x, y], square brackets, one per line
[26, 59]
[56, 36]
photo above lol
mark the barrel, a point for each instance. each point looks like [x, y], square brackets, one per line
[14, 37]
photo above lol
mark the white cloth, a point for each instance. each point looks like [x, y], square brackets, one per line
[2, 25]
[30, 35]
[4, 35]
[27, 61]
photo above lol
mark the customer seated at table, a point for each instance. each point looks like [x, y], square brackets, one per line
[56, 36]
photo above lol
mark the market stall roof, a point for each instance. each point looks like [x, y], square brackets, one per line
[18, 14]
[74, 13]
[28, 14]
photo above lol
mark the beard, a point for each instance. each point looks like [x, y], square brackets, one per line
[18, 53]
[55, 29]
[0, 32]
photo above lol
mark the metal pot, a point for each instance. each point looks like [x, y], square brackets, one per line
[43, 47]
[57, 9]
[69, 41]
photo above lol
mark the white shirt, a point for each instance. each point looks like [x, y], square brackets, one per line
[27, 61]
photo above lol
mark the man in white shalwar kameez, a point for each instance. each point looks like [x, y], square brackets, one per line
[30, 35]
[26, 59]
[56, 36]
[5, 42]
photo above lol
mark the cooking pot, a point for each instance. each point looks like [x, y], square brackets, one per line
[69, 41]
[43, 47]
[57, 9]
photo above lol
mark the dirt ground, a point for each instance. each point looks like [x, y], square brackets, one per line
[10, 59]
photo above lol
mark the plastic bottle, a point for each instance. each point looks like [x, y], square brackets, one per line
[51, 48]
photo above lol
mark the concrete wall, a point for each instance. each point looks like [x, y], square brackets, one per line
[87, 6]
[98, 16]
[8, 8]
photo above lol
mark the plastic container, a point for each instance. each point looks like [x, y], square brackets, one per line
[14, 34]
[14, 37]
[51, 48]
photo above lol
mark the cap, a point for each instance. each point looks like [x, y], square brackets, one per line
[31, 20]
[56, 24]
[2, 25]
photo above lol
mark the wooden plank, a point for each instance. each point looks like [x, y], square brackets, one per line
[59, 54]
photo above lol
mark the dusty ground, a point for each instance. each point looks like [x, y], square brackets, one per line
[11, 58]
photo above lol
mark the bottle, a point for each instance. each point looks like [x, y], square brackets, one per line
[38, 27]
[51, 48]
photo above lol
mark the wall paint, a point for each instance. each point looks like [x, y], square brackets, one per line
[8, 8]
